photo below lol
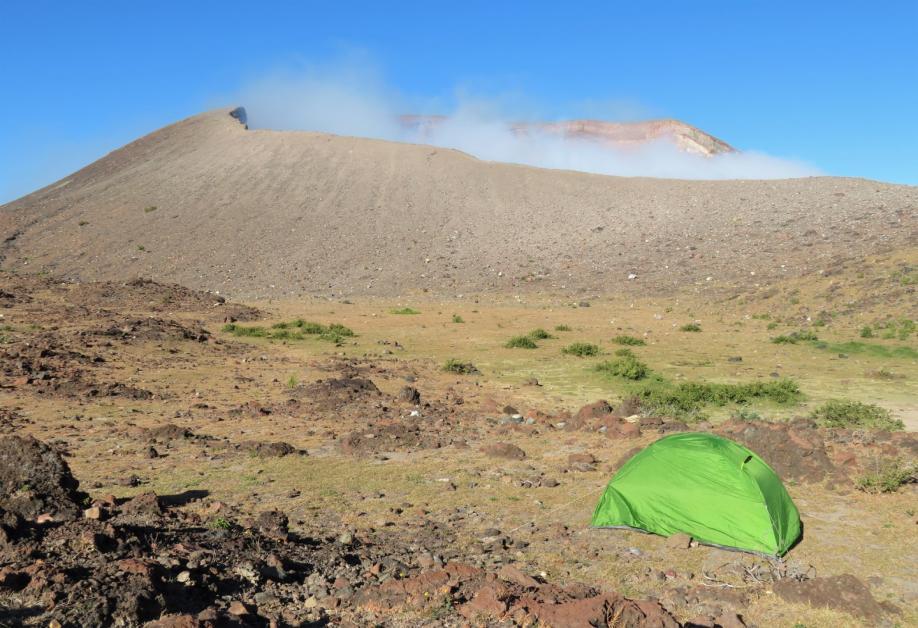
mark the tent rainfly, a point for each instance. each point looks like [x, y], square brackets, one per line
[705, 486]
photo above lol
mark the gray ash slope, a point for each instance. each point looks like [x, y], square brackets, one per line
[210, 204]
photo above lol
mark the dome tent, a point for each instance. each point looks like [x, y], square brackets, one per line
[706, 486]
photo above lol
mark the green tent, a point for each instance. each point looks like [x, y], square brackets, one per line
[708, 487]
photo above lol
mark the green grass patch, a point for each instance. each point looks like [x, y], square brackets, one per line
[686, 400]
[540, 334]
[795, 337]
[854, 414]
[293, 330]
[404, 311]
[629, 340]
[887, 476]
[627, 367]
[563, 328]
[459, 367]
[581, 349]
[458, 319]
[693, 327]
[866, 348]
[521, 342]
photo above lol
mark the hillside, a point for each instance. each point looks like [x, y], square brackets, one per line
[256, 213]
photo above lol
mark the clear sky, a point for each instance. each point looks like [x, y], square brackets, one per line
[834, 84]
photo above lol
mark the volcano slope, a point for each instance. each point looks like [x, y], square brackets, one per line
[253, 213]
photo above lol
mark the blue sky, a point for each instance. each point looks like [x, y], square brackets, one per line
[834, 84]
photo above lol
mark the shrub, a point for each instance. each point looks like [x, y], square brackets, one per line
[772, 325]
[627, 367]
[292, 330]
[151, 208]
[562, 328]
[866, 331]
[854, 414]
[404, 311]
[690, 327]
[292, 382]
[628, 340]
[795, 337]
[623, 352]
[458, 366]
[521, 342]
[581, 349]
[687, 399]
[745, 414]
[540, 334]
[887, 477]
[458, 319]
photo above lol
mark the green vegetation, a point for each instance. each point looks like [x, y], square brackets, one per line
[795, 337]
[694, 327]
[521, 342]
[854, 414]
[581, 349]
[627, 367]
[887, 477]
[221, 523]
[83, 223]
[686, 400]
[908, 276]
[151, 208]
[772, 325]
[458, 366]
[540, 334]
[404, 311]
[629, 340]
[458, 319]
[141, 247]
[866, 331]
[623, 352]
[875, 350]
[293, 330]
[563, 328]
[292, 382]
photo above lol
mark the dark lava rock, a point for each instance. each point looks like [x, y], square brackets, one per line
[35, 480]
[410, 395]
[845, 593]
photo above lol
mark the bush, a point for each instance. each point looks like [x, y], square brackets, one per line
[292, 330]
[687, 399]
[581, 349]
[628, 340]
[540, 334]
[624, 352]
[795, 337]
[887, 477]
[690, 327]
[628, 367]
[458, 366]
[854, 414]
[521, 342]
[772, 325]
[866, 331]
[562, 328]
[405, 311]
[458, 319]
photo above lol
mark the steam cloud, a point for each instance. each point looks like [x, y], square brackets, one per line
[350, 101]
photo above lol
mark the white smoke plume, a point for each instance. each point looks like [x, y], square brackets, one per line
[347, 100]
